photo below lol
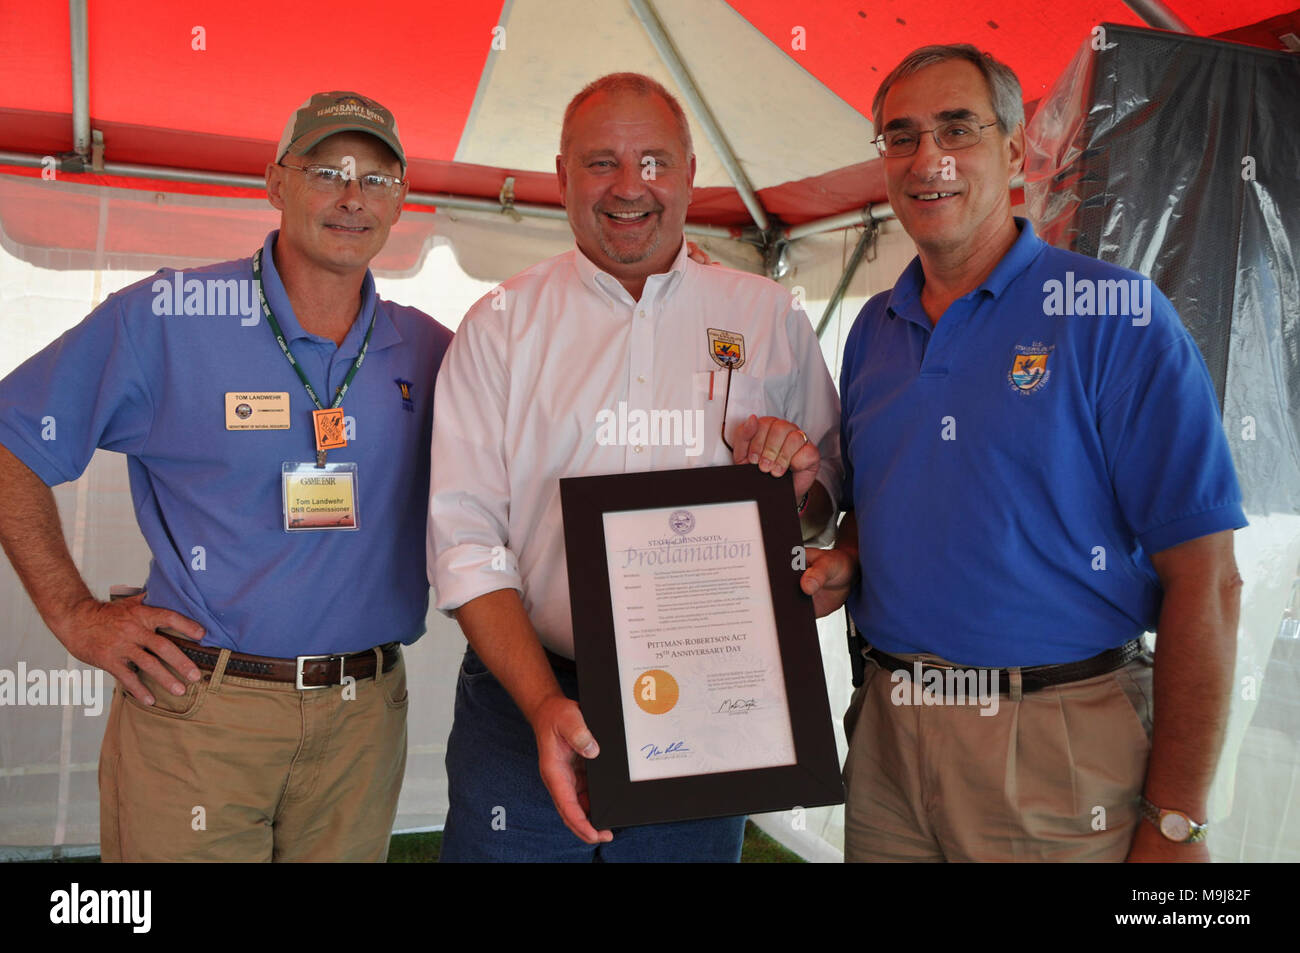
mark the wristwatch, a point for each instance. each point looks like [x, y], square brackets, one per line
[1174, 825]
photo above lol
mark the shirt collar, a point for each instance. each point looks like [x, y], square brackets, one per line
[1015, 261]
[657, 287]
[905, 299]
[384, 335]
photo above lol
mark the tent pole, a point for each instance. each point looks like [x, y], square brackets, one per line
[441, 200]
[865, 240]
[80, 79]
[1157, 14]
[470, 203]
[876, 212]
[663, 44]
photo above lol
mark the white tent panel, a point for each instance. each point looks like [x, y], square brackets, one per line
[516, 117]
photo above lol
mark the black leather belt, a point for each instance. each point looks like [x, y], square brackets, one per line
[1033, 678]
[305, 671]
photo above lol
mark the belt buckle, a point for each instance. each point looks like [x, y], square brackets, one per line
[297, 682]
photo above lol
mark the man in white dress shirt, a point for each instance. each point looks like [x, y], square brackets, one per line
[624, 318]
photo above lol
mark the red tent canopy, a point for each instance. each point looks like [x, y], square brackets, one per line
[478, 87]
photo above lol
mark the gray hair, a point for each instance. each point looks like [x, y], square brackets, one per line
[627, 83]
[1003, 86]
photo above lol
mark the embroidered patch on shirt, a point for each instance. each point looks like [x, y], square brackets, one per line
[727, 348]
[1029, 372]
[405, 387]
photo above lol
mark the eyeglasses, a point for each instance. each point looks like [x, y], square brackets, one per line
[949, 136]
[325, 178]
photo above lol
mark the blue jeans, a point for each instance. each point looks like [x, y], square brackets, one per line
[501, 811]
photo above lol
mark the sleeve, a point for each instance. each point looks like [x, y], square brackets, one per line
[846, 494]
[469, 488]
[848, 364]
[1166, 450]
[86, 390]
[813, 404]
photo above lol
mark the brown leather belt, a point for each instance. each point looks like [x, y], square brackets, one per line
[305, 671]
[1033, 678]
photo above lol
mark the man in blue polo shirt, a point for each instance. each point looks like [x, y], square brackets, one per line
[1036, 474]
[276, 416]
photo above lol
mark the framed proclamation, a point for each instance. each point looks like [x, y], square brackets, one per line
[699, 669]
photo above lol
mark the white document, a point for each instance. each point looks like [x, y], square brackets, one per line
[699, 664]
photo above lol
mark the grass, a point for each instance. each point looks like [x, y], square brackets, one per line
[758, 848]
[424, 848]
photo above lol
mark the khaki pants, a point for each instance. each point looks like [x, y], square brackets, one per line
[245, 770]
[1052, 776]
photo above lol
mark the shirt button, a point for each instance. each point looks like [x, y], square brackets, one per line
[640, 378]
[640, 314]
[637, 448]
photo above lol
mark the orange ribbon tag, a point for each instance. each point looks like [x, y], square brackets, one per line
[329, 428]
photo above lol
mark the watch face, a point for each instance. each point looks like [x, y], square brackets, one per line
[1175, 827]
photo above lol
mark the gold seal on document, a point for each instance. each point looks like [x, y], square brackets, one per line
[655, 691]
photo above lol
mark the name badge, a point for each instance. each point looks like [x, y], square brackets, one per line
[257, 410]
[319, 498]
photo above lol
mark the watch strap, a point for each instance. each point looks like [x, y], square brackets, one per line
[1196, 832]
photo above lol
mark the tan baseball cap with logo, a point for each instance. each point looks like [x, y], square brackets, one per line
[325, 114]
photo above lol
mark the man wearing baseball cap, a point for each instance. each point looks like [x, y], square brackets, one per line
[278, 460]
[327, 114]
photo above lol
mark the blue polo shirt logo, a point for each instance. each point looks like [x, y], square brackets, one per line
[405, 387]
[1029, 371]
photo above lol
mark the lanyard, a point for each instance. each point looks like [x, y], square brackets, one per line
[284, 346]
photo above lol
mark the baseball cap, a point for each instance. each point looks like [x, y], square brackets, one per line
[325, 114]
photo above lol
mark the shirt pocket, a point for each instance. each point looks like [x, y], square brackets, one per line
[745, 396]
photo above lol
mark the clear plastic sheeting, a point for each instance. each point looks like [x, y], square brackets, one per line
[1176, 156]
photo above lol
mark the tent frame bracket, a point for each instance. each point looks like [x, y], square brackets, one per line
[695, 101]
[866, 242]
[507, 199]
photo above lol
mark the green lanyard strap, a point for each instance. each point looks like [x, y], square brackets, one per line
[284, 346]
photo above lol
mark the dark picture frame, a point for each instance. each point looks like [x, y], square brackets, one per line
[616, 801]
